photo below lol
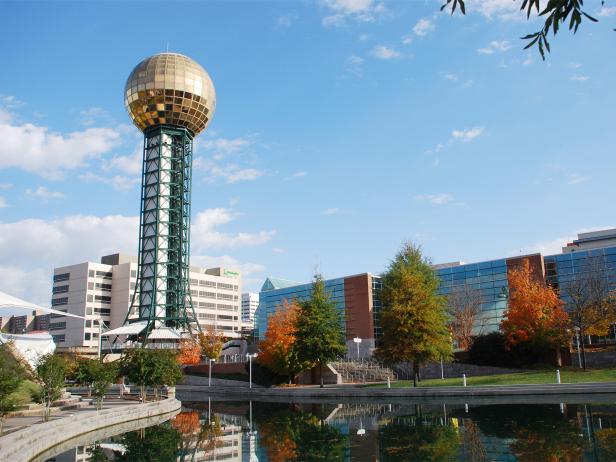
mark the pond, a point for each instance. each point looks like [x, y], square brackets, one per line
[245, 431]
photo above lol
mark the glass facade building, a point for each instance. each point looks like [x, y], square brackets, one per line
[489, 279]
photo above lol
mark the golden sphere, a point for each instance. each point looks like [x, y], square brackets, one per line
[170, 89]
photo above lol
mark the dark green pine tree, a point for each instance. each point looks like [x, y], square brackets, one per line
[319, 328]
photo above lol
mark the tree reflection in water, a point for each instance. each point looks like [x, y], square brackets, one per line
[153, 444]
[290, 434]
[417, 439]
[283, 432]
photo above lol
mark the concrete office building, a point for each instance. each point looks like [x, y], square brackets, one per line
[34, 321]
[250, 303]
[356, 297]
[102, 292]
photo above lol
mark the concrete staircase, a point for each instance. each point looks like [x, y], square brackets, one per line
[65, 403]
[363, 371]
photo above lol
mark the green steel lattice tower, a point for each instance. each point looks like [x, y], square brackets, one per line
[171, 99]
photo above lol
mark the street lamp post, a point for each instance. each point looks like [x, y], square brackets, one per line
[209, 379]
[250, 356]
[577, 339]
[357, 341]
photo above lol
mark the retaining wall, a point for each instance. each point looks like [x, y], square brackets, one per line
[26, 444]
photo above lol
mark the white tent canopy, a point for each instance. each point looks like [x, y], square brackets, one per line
[130, 329]
[30, 346]
[10, 302]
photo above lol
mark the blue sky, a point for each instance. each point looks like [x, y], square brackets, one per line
[342, 128]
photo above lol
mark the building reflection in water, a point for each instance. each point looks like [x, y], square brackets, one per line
[280, 432]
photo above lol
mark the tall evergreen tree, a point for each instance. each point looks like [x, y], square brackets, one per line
[319, 333]
[413, 317]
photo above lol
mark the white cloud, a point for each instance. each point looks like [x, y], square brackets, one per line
[118, 182]
[554, 246]
[286, 20]
[5, 186]
[300, 174]
[579, 78]
[575, 178]
[384, 52]
[436, 199]
[37, 150]
[606, 11]
[277, 250]
[204, 233]
[451, 77]
[227, 261]
[354, 65]
[130, 164]
[31, 248]
[44, 194]
[467, 135]
[219, 150]
[331, 211]
[423, 27]
[495, 46]
[407, 39]
[222, 147]
[355, 10]
[95, 115]
[504, 10]
[3, 203]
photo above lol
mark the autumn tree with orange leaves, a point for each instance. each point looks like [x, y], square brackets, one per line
[535, 315]
[278, 351]
[190, 352]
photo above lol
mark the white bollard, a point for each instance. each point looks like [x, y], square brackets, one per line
[388, 382]
[464, 379]
[557, 376]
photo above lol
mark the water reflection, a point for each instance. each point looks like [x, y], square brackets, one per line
[280, 432]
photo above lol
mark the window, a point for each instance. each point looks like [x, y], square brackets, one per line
[102, 298]
[225, 307]
[207, 283]
[225, 297]
[222, 285]
[132, 286]
[226, 317]
[194, 282]
[104, 287]
[57, 325]
[59, 301]
[91, 273]
[90, 298]
[133, 273]
[104, 274]
[61, 277]
[89, 310]
[58, 338]
[207, 294]
[86, 336]
[102, 311]
[60, 289]
[206, 316]
[58, 315]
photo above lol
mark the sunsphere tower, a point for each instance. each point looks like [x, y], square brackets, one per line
[171, 99]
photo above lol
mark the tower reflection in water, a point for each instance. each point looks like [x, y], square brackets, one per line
[279, 432]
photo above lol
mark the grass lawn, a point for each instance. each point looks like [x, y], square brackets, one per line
[529, 378]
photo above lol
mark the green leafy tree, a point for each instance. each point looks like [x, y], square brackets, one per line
[557, 13]
[167, 369]
[138, 367]
[413, 317]
[50, 373]
[103, 376]
[12, 374]
[147, 367]
[319, 334]
[84, 373]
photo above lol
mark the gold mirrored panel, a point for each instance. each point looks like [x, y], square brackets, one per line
[172, 89]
